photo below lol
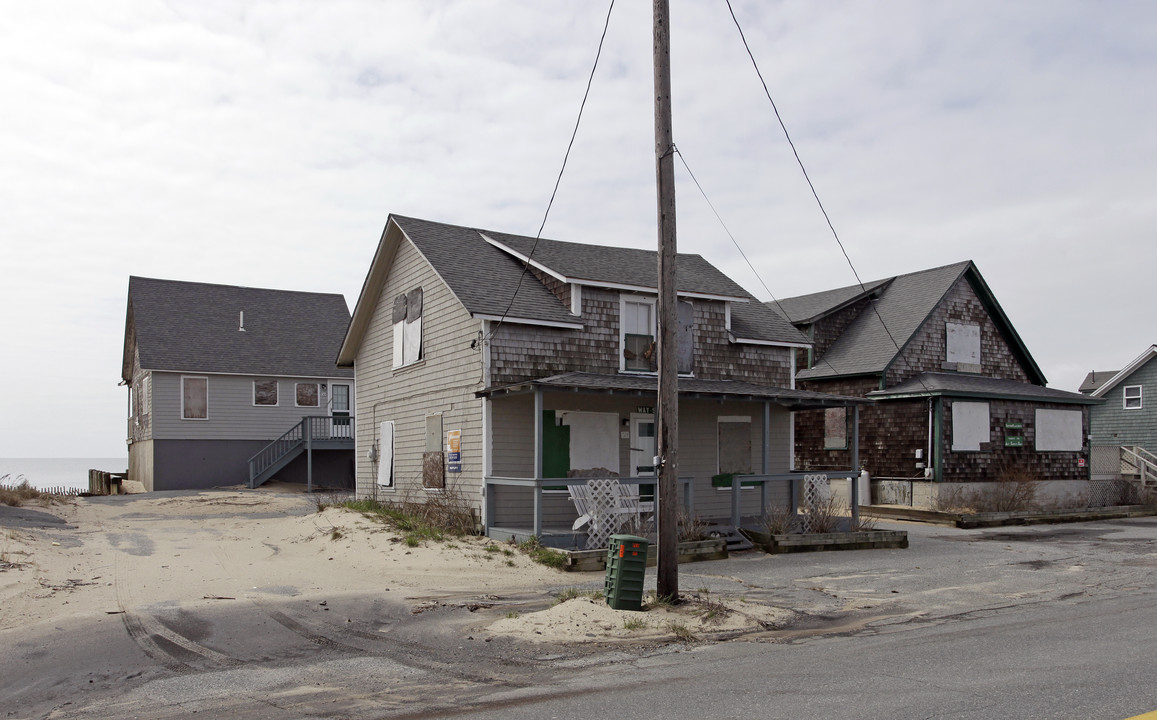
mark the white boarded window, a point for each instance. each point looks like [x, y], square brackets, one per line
[1058, 431]
[836, 429]
[970, 426]
[963, 343]
[407, 320]
[265, 392]
[594, 441]
[386, 454]
[1132, 397]
[194, 398]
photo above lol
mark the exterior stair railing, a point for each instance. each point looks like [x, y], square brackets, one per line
[319, 431]
[1139, 462]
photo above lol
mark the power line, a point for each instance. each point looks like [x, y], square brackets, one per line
[558, 180]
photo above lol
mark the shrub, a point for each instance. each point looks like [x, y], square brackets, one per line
[780, 521]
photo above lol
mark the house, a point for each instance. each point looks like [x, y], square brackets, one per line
[959, 397]
[493, 365]
[232, 385]
[1095, 379]
[1123, 430]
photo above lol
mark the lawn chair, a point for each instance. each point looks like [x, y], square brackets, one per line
[602, 508]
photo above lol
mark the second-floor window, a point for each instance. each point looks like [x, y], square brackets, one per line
[306, 395]
[1132, 397]
[638, 334]
[407, 321]
[265, 392]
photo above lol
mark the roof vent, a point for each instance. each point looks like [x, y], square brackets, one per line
[241, 322]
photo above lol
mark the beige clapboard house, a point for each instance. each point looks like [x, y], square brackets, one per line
[494, 366]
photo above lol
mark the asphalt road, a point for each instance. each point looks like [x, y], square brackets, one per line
[1035, 622]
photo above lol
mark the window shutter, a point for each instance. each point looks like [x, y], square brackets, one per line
[399, 322]
[685, 340]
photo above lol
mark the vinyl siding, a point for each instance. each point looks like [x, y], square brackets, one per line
[1111, 424]
[443, 381]
[231, 412]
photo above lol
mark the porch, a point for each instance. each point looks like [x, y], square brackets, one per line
[549, 435]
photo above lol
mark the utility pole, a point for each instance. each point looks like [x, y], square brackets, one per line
[667, 407]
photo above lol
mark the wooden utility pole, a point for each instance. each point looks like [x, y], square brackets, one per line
[667, 407]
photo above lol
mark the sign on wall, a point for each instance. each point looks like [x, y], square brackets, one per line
[454, 451]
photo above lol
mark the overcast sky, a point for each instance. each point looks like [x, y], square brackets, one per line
[265, 143]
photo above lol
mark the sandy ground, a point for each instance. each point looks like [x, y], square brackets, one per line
[111, 555]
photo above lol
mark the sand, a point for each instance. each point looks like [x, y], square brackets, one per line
[117, 554]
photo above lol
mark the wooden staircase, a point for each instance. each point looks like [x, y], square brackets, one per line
[1139, 465]
[319, 432]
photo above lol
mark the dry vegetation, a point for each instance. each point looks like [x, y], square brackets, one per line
[18, 492]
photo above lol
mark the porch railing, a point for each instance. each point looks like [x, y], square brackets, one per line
[1140, 462]
[762, 482]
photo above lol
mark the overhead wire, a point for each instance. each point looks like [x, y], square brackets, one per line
[557, 181]
[811, 186]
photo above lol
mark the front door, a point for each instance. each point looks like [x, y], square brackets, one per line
[643, 449]
[339, 399]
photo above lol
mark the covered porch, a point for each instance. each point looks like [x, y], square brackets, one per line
[547, 436]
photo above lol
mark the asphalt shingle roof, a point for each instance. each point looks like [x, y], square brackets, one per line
[1096, 379]
[963, 385]
[484, 277]
[875, 337]
[807, 308]
[193, 327]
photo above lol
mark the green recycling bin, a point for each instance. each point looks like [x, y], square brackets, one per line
[626, 570]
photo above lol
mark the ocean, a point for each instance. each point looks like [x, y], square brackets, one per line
[51, 473]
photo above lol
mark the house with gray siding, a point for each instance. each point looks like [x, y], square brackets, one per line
[218, 374]
[505, 368]
[1123, 430]
[959, 398]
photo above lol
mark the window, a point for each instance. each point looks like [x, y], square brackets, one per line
[407, 320]
[970, 426]
[1132, 397]
[638, 334]
[307, 395]
[836, 429]
[265, 392]
[1058, 430]
[195, 398]
[962, 343]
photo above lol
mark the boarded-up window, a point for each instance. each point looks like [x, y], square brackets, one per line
[1058, 430]
[685, 337]
[594, 443]
[407, 320]
[970, 426]
[386, 454]
[836, 429]
[963, 343]
[264, 392]
[735, 445]
[195, 398]
[307, 395]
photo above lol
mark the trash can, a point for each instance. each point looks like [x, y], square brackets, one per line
[626, 570]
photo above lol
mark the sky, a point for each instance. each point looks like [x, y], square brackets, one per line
[265, 143]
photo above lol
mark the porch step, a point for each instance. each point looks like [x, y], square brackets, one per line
[735, 541]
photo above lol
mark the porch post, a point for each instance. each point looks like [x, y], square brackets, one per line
[308, 455]
[765, 467]
[537, 461]
[856, 465]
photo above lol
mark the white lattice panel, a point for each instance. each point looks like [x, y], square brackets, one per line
[815, 492]
[604, 511]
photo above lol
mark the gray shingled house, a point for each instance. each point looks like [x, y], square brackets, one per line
[1123, 430]
[232, 385]
[959, 397]
[498, 365]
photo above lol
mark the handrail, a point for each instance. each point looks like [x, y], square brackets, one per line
[1139, 458]
[276, 450]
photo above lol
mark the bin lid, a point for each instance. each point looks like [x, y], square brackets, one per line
[629, 539]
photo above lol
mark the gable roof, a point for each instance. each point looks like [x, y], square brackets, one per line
[806, 309]
[195, 327]
[484, 271]
[1095, 379]
[1125, 372]
[874, 340]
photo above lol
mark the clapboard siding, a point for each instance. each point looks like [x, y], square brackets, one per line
[1112, 424]
[443, 381]
[231, 412]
